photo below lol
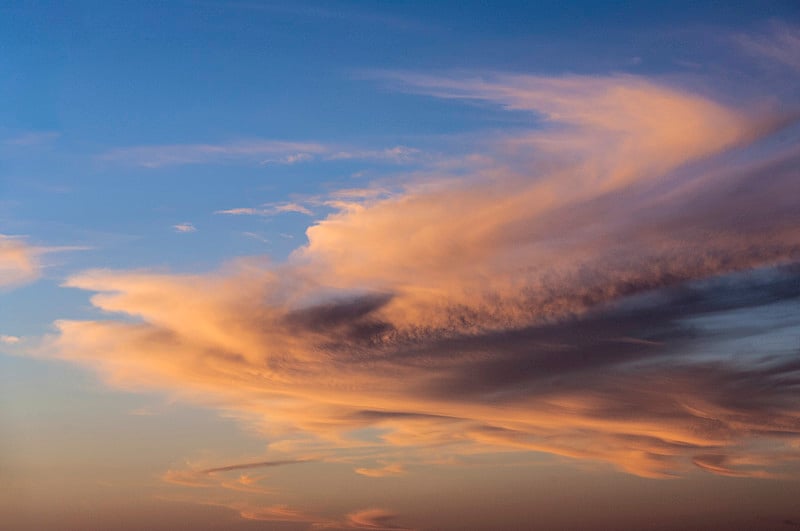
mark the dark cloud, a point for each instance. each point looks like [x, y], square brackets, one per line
[257, 464]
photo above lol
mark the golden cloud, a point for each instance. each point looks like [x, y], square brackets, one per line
[505, 309]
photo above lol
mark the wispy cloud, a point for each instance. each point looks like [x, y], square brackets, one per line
[218, 477]
[9, 340]
[377, 519]
[256, 236]
[393, 469]
[31, 139]
[184, 227]
[781, 44]
[547, 299]
[269, 209]
[396, 154]
[258, 151]
[257, 464]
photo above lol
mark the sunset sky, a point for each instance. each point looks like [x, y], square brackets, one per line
[278, 265]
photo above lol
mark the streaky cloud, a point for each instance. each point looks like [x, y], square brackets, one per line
[257, 464]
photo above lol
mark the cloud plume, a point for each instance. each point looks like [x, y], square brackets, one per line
[555, 298]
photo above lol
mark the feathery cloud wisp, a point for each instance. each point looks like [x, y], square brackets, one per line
[258, 151]
[268, 210]
[253, 150]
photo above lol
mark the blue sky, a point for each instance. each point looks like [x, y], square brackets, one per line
[401, 242]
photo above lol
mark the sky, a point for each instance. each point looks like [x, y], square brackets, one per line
[395, 266]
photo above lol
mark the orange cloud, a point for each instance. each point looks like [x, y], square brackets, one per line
[392, 469]
[18, 262]
[219, 477]
[540, 302]
[378, 519]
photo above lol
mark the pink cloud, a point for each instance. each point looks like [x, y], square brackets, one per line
[484, 312]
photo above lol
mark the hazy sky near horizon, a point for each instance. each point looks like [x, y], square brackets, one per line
[399, 265]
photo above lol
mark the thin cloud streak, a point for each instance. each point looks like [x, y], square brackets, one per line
[267, 210]
[257, 151]
[393, 469]
[177, 154]
[258, 464]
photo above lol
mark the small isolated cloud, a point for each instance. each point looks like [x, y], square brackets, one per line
[184, 227]
[9, 340]
[19, 262]
[293, 207]
[32, 139]
[189, 478]
[394, 469]
[274, 513]
[256, 236]
[397, 154]
[290, 159]
[268, 209]
[376, 519]
[257, 464]
[240, 212]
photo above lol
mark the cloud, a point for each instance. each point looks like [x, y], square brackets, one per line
[781, 44]
[554, 297]
[267, 513]
[217, 477]
[250, 150]
[257, 151]
[293, 207]
[19, 261]
[32, 139]
[9, 340]
[256, 236]
[376, 519]
[241, 212]
[395, 154]
[393, 469]
[184, 227]
[258, 464]
[269, 209]
[373, 519]
[274, 513]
